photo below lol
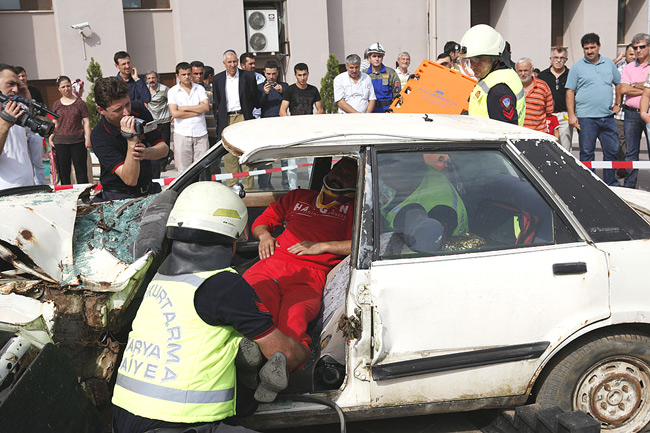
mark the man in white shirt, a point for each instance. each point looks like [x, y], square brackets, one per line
[15, 164]
[403, 63]
[188, 104]
[353, 90]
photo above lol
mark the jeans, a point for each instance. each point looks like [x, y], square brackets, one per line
[264, 180]
[603, 129]
[634, 126]
[35, 144]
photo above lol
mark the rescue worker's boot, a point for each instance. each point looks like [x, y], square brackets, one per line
[248, 362]
[274, 377]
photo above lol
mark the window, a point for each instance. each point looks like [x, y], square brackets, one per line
[26, 5]
[458, 201]
[145, 4]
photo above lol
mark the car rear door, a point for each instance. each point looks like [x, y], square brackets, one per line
[471, 317]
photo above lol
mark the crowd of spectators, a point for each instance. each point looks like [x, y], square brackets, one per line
[608, 102]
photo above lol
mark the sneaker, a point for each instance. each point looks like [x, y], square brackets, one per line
[273, 378]
[248, 362]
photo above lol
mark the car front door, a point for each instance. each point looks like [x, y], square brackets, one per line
[475, 277]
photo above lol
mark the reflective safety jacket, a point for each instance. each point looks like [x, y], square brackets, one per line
[478, 98]
[176, 367]
[387, 87]
[434, 190]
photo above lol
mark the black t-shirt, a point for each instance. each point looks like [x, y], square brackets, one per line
[223, 299]
[557, 86]
[110, 148]
[301, 101]
[36, 94]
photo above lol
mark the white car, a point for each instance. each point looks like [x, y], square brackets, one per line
[489, 268]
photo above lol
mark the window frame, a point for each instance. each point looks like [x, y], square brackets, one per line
[450, 147]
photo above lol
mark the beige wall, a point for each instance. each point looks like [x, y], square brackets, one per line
[636, 18]
[106, 19]
[308, 38]
[28, 40]
[154, 28]
[397, 26]
[449, 23]
[595, 17]
[530, 37]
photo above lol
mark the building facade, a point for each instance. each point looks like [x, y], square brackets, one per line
[39, 34]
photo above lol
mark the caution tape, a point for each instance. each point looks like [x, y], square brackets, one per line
[617, 164]
[215, 177]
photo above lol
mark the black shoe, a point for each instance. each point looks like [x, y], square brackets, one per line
[621, 173]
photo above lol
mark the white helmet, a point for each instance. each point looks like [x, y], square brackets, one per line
[482, 40]
[376, 48]
[204, 209]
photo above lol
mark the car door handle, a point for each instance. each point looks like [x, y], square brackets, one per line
[569, 268]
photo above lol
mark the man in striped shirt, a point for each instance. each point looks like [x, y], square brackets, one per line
[539, 99]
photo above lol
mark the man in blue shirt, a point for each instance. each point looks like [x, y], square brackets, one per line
[384, 79]
[588, 100]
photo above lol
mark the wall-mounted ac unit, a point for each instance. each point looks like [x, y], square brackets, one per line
[262, 30]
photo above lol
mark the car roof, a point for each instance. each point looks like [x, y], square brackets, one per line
[266, 138]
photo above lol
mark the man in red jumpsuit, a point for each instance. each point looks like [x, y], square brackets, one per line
[290, 276]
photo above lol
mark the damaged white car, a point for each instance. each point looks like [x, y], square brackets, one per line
[489, 268]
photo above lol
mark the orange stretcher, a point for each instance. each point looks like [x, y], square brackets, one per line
[435, 89]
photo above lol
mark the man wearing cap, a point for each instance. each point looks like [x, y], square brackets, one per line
[384, 79]
[499, 93]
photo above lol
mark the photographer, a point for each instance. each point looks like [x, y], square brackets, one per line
[123, 154]
[15, 164]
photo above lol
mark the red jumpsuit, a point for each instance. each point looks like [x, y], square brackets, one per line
[291, 286]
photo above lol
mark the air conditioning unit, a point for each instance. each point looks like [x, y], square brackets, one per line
[262, 30]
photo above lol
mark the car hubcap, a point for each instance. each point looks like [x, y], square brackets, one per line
[616, 393]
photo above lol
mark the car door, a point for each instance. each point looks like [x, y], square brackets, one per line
[475, 277]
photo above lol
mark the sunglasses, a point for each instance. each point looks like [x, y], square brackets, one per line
[640, 47]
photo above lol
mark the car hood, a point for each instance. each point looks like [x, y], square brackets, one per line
[41, 235]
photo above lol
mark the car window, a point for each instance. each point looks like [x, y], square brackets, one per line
[458, 201]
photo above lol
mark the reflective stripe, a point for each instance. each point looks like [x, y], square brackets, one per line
[191, 279]
[483, 86]
[521, 95]
[175, 395]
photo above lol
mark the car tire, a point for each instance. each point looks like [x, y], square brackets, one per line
[606, 375]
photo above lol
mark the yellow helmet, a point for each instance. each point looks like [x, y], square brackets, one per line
[482, 40]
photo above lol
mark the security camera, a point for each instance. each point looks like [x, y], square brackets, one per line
[80, 26]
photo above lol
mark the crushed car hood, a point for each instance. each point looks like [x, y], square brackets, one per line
[37, 233]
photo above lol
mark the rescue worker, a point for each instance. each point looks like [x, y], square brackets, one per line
[178, 369]
[499, 93]
[384, 79]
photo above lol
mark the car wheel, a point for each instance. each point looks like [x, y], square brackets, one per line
[608, 377]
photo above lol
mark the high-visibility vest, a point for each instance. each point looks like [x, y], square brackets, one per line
[434, 190]
[478, 97]
[176, 367]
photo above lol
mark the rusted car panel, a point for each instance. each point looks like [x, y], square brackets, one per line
[67, 274]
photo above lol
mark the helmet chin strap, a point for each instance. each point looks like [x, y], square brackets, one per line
[337, 196]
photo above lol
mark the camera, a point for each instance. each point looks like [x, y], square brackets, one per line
[142, 127]
[80, 26]
[29, 119]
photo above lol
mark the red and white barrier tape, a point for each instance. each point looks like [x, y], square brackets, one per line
[167, 181]
[617, 164]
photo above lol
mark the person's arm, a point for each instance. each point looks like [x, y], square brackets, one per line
[371, 106]
[51, 137]
[185, 112]
[347, 107]
[130, 170]
[617, 106]
[319, 107]
[12, 110]
[86, 123]
[571, 108]
[645, 105]
[283, 108]
[140, 87]
[276, 341]
[340, 248]
[267, 242]
[634, 89]
[157, 151]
